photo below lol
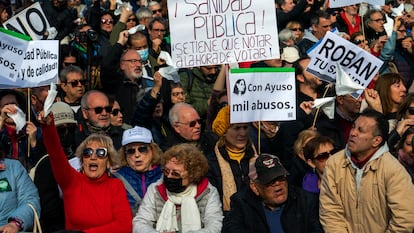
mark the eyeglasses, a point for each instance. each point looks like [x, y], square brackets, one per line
[107, 21]
[99, 152]
[175, 94]
[99, 110]
[357, 42]
[411, 110]
[378, 20]
[275, 181]
[158, 30]
[334, 13]
[166, 172]
[296, 29]
[132, 20]
[191, 123]
[75, 83]
[133, 61]
[115, 111]
[325, 155]
[62, 130]
[157, 10]
[69, 64]
[141, 149]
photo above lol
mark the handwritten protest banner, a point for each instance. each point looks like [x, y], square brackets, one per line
[12, 49]
[31, 21]
[262, 94]
[359, 64]
[209, 32]
[341, 3]
[39, 66]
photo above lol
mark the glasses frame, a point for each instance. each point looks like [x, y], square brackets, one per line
[143, 149]
[75, 83]
[99, 110]
[166, 172]
[100, 152]
[325, 155]
[107, 21]
[157, 10]
[116, 111]
[192, 123]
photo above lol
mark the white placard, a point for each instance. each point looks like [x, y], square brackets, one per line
[12, 50]
[360, 65]
[31, 21]
[262, 94]
[341, 3]
[40, 65]
[222, 32]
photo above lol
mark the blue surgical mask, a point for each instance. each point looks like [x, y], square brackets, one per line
[144, 54]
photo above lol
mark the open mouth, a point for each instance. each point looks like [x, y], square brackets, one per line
[93, 167]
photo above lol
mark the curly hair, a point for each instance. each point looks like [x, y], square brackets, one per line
[155, 150]
[102, 139]
[193, 159]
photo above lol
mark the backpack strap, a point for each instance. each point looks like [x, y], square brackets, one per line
[128, 187]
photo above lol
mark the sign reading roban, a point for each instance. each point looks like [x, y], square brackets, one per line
[209, 32]
[262, 94]
[360, 65]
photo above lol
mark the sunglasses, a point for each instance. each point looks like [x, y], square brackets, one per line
[132, 20]
[325, 155]
[99, 152]
[192, 123]
[107, 21]
[358, 42]
[99, 110]
[411, 110]
[296, 29]
[155, 11]
[141, 149]
[75, 83]
[69, 64]
[115, 111]
[166, 172]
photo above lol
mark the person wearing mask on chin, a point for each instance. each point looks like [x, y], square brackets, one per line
[183, 200]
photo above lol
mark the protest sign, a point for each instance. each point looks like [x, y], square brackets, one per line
[341, 3]
[359, 64]
[209, 32]
[30, 21]
[262, 94]
[12, 49]
[39, 67]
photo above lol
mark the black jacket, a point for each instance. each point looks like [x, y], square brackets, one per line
[300, 213]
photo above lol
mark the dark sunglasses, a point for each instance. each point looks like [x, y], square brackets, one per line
[115, 111]
[325, 155]
[99, 110]
[358, 42]
[132, 20]
[99, 152]
[69, 64]
[107, 21]
[75, 83]
[411, 110]
[141, 149]
[62, 130]
[192, 123]
[296, 29]
[158, 10]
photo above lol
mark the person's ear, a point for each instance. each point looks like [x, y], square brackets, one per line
[85, 113]
[254, 188]
[377, 141]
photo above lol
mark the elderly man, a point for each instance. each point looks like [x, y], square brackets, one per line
[270, 205]
[364, 188]
[73, 85]
[95, 112]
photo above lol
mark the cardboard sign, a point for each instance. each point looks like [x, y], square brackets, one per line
[31, 21]
[359, 64]
[39, 67]
[206, 32]
[262, 94]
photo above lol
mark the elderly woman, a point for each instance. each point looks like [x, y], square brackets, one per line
[140, 159]
[183, 201]
[16, 192]
[317, 151]
[93, 201]
[229, 163]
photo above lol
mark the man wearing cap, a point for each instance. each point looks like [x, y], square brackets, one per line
[364, 188]
[269, 205]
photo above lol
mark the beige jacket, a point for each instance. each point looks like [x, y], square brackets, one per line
[384, 202]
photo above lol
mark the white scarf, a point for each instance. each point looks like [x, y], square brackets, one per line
[190, 216]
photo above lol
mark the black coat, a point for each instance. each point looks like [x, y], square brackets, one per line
[300, 213]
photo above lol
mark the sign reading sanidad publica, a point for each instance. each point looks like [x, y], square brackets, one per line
[262, 94]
